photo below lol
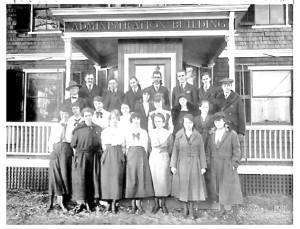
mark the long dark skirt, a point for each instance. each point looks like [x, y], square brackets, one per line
[112, 172]
[60, 169]
[86, 175]
[138, 176]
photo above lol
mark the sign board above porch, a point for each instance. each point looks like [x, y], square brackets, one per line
[147, 25]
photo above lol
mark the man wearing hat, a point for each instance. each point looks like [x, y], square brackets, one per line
[90, 90]
[100, 116]
[74, 97]
[232, 105]
[184, 87]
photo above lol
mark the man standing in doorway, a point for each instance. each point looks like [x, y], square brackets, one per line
[184, 88]
[74, 97]
[232, 105]
[90, 90]
[157, 87]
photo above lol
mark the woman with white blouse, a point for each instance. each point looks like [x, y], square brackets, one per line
[112, 162]
[138, 176]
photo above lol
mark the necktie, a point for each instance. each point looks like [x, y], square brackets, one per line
[63, 132]
[181, 86]
[205, 88]
[74, 97]
[76, 122]
[137, 136]
[156, 88]
[90, 88]
[98, 113]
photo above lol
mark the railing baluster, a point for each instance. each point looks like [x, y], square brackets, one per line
[265, 144]
[38, 139]
[259, 143]
[43, 140]
[8, 129]
[22, 139]
[270, 143]
[250, 145]
[13, 139]
[30, 139]
[34, 139]
[26, 139]
[18, 139]
[291, 144]
[285, 144]
[275, 144]
[280, 144]
[255, 145]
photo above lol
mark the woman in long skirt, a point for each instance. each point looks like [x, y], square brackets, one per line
[159, 160]
[112, 162]
[224, 156]
[60, 162]
[86, 164]
[138, 176]
[188, 164]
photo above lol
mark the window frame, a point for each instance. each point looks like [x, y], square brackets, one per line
[40, 71]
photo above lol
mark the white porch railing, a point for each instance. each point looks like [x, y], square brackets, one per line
[27, 138]
[269, 143]
[262, 143]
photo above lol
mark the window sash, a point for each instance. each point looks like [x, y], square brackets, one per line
[270, 14]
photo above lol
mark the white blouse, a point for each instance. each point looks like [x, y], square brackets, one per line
[158, 136]
[113, 136]
[102, 122]
[142, 141]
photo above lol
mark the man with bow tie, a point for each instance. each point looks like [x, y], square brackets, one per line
[90, 90]
[100, 116]
[232, 105]
[74, 97]
[157, 87]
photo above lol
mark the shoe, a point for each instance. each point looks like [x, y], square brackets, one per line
[163, 206]
[133, 208]
[108, 208]
[140, 210]
[192, 210]
[185, 210]
[113, 208]
[79, 208]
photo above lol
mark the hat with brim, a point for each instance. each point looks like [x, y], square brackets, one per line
[98, 99]
[73, 84]
[182, 96]
[226, 81]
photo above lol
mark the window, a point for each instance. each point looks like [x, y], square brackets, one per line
[43, 96]
[268, 15]
[43, 19]
[267, 95]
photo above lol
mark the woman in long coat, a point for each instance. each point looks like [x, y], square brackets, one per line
[86, 164]
[223, 152]
[112, 161]
[138, 175]
[188, 164]
[159, 161]
[60, 162]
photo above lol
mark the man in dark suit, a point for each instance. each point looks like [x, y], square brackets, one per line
[74, 97]
[113, 98]
[156, 87]
[90, 90]
[207, 91]
[232, 105]
[184, 88]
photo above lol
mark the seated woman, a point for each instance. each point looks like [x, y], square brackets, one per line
[188, 164]
[138, 175]
[86, 164]
[60, 162]
[158, 102]
[178, 111]
[112, 162]
[161, 147]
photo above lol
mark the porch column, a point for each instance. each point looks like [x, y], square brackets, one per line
[68, 57]
[231, 49]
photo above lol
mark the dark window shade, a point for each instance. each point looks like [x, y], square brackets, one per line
[23, 18]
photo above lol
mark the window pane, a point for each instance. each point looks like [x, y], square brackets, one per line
[272, 83]
[44, 20]
[270, 110]
[261, 14]
[277, 15]
[44, 95]
[242, 83]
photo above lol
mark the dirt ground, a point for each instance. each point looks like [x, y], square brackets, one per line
[25, 207]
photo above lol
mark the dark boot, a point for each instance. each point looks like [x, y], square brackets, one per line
[155, 208]
[139, 206]
[185, 210]
[133, 208]
[163, 206]
[113, 207]
[237, 218]
[192, 210]
[50, 206]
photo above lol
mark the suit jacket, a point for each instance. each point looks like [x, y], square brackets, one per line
[89, 96]
[107, 104]
[233, 107]
[131, 98]
[209, 95]
[139, 108]
[189, 90]
[164, 91]
[82, 104]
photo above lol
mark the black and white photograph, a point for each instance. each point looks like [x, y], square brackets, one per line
[134, 113]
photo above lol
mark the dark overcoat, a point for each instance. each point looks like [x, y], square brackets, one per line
[204, 126]
[108, 104]
[131, 98]
[90, 95]
[86, 164]
[222, 157]
[209, 95]
[81, 101]
[234, 110]
[162, 90]
[189, 90]
[188, 157]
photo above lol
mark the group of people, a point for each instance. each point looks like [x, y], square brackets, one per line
[112, 145]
